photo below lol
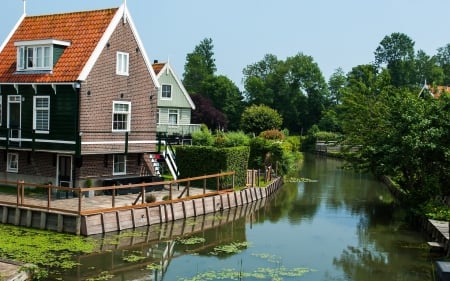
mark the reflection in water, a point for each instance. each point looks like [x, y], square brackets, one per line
[341, 226]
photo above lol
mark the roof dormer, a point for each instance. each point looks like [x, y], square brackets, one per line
[39, 55]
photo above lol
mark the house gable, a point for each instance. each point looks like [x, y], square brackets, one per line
[180, 97]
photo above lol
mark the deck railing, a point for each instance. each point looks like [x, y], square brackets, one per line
[92, 200]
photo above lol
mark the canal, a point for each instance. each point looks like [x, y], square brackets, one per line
[335, 224]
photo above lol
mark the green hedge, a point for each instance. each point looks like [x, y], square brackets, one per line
[196, 161]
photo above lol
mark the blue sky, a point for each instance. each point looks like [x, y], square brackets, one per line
[336, 33]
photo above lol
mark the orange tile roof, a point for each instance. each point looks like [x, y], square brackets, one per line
[82, 29]
[157, 67]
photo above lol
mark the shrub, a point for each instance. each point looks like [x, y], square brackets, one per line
[150, 198]
[202, 137]
[272, 134]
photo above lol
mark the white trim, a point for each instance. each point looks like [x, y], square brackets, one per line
[101, 45]
[124, 172]
[171, 91]
[117, 142]
[141, 47]
[8, 162]
[42, 42]
[35, 111]
[12, 32]
[128, 113]
[39, 140]
[122, 63]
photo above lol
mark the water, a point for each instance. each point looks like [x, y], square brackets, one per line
[340, 226]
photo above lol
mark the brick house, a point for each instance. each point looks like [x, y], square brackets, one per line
[76, 99]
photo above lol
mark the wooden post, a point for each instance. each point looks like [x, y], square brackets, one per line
[113, 197]
[18, 193]
[204, 186]
[143, 194]
[170, 191]
[49, 195]
[218, 186]
[232, 181]
[22, 195]
[188, 185]
[80, 199]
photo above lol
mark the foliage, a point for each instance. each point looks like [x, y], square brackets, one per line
[273, 134]
[150, 198]
[204, 160]
[191, 240]
[48, 250]
[200, 64]
[231, 139]
[435, 209]
[295, 88]
[231, 248]
[206, 113]
[203, 137]
[226, 97]
[258, 118]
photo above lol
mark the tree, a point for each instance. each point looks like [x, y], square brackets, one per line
[428, 70]
[258, 118]
[336, 85]
[294, 87]
[206, 113]
[226, 97]
[397, 52]
[199, 66]
[443, 61]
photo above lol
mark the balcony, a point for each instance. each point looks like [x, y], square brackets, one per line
[177, 129]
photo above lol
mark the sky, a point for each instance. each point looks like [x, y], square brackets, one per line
[335, 33]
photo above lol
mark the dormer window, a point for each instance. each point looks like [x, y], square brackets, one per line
[38, 54]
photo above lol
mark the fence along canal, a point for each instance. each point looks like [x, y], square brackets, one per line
[88, 215]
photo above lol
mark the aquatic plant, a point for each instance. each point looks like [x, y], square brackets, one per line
[133, 258]
[191, 240]
[232, 248]
[50, 251]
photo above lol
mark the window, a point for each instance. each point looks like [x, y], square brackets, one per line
[34, 58]
[119, 164]
[173, 116]
[121, 116]
[166, 92]
[158, 114]
[122, 63]
[41, 114]
[37, 54]
[13, 162]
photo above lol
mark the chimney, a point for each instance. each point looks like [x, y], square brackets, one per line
[155, 61]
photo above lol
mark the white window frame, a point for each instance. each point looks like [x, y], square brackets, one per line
[122, 63]
[174, 112]
[35, 57]
[12, 162]
[119, 164]
[46, 110]
[117, 112]
[166, 95]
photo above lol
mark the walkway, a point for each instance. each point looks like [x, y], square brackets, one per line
[94, 202]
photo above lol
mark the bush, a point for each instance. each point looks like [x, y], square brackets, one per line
[272, 134]
[150, 198]
[202, 137]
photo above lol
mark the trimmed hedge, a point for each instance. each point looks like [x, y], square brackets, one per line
[196, 161]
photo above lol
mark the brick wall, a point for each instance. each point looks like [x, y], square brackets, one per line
[105, 86]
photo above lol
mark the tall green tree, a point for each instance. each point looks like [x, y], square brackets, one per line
[443, 61]
[199, 66]
[396, 51]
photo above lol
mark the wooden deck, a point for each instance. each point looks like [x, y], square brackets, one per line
[107, 213]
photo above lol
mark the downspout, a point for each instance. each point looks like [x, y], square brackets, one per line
[77, 163]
